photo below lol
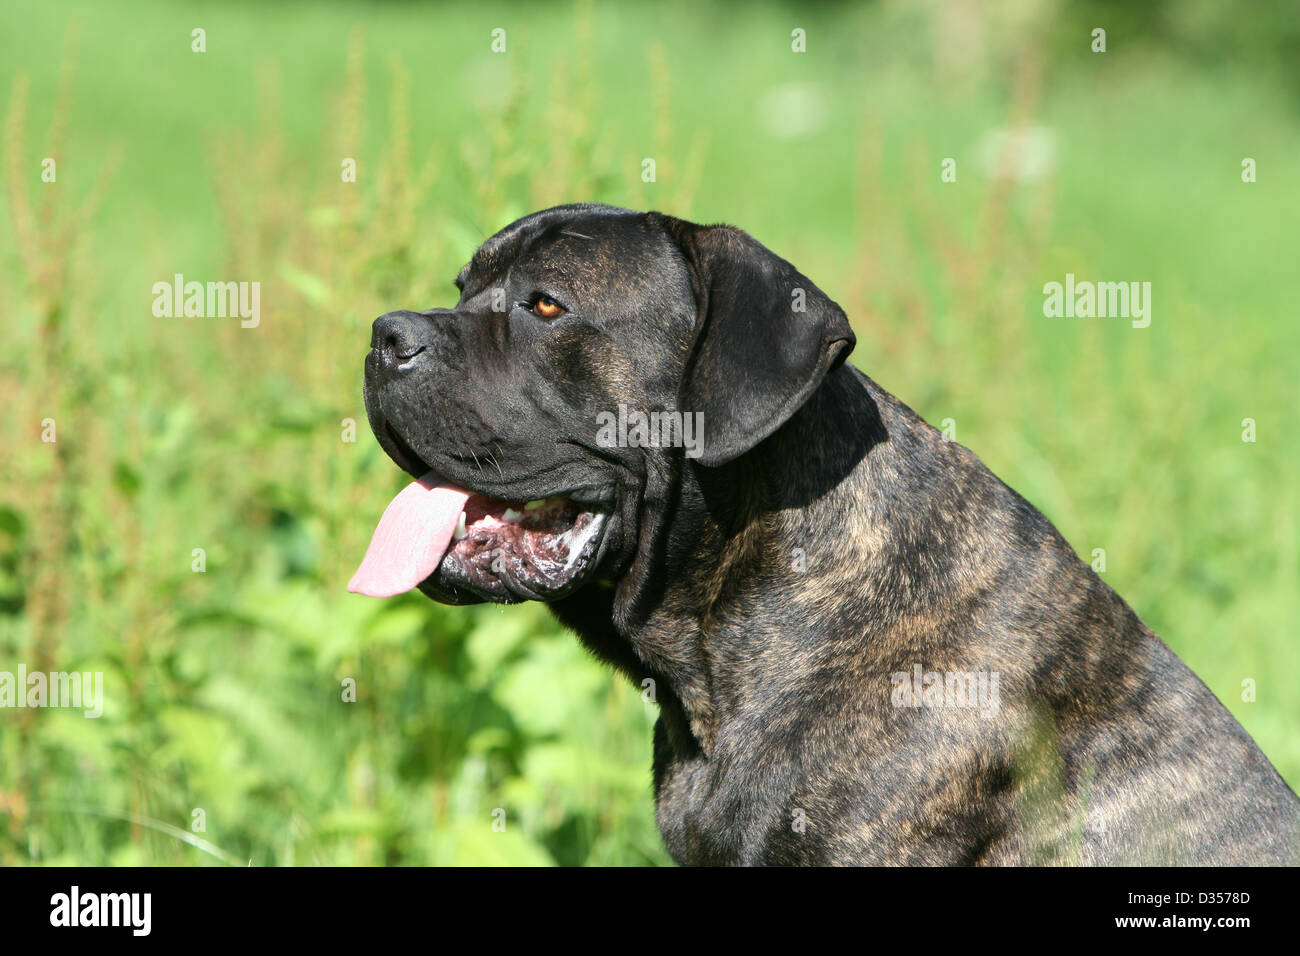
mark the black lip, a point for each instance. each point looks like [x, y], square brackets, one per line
[402, 453]
[591, 498]
[511, 591]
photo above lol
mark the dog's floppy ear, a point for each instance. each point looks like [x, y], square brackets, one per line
[765, 338]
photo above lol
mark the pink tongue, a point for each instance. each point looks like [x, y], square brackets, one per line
[411, 538]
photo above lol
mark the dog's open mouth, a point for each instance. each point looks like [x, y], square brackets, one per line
[537, 548]
[498, 549]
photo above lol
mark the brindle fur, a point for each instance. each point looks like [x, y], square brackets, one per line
[772, 588]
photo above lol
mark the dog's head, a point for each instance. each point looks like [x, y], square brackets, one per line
[593, 351]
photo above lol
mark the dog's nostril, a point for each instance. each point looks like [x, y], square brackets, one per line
[403, 350]
[396, 338]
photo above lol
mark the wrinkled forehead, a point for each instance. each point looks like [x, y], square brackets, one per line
[586, 254]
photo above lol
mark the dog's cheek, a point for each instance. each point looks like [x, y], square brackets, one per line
[588, 373]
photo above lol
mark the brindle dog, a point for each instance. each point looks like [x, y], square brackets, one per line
[865, 647]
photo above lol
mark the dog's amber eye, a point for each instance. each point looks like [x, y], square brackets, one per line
[547, 308]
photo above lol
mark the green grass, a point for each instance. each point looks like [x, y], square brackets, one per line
[224, 688]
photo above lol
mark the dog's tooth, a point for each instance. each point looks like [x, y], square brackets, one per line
[460, 531]
[535, 504]
[512, 515]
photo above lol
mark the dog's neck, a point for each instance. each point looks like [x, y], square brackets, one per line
[693, 609]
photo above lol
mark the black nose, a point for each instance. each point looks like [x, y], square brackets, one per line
[397, 337]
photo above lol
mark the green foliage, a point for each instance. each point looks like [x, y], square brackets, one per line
[225, 688]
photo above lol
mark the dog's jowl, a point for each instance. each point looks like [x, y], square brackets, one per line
[866, 648]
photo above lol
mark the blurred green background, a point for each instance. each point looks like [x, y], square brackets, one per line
[224, 687]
